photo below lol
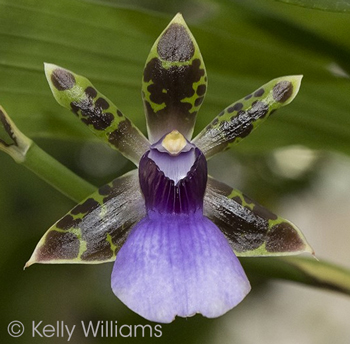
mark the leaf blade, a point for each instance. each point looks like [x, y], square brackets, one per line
[325, 5]
[321, 274]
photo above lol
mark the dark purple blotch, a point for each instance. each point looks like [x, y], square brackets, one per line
[59, 245]
[235, 107]
[89, 205]
[175, 44]
[282, 91]
[201, 89]
[283, 238]
[259, 92]
[198, 101]
[91, 92]
[92, 112]
[62, 79]
[68, 222]
[102, 103]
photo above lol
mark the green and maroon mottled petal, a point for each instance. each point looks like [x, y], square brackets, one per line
[174, 82]
[251, 229]
[94, 230]
[240, 118]
[104, 119]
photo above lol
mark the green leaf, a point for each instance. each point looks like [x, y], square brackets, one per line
[327, 5]
[303, 270]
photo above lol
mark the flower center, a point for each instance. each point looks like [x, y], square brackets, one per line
[173, 176]
[174, 142]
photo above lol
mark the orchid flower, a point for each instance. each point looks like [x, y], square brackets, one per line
[173, 231]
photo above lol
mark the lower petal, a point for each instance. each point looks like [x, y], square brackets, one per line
[178, 265]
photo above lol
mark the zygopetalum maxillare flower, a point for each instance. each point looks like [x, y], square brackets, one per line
[174, 232]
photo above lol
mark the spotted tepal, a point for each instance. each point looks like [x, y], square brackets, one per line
[173, 232]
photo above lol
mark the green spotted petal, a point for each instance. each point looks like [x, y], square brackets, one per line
[94, 230]
[251, 229]
[106, 121]
[174, 82]
[240, 118]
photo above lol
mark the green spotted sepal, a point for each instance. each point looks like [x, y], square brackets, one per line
[240, 118]
[12, 140]
[174, 82]
[106, 121]
[251, 229]
[94, 230]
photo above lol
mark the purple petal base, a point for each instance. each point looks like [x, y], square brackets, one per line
[178, 265]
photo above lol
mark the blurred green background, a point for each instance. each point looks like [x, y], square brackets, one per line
[297, 163]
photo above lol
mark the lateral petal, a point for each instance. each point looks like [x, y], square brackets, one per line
[94, 230]
[103, 118]
[240, 118]
[251, 229]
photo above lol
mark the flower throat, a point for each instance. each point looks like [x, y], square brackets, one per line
[173, 176]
